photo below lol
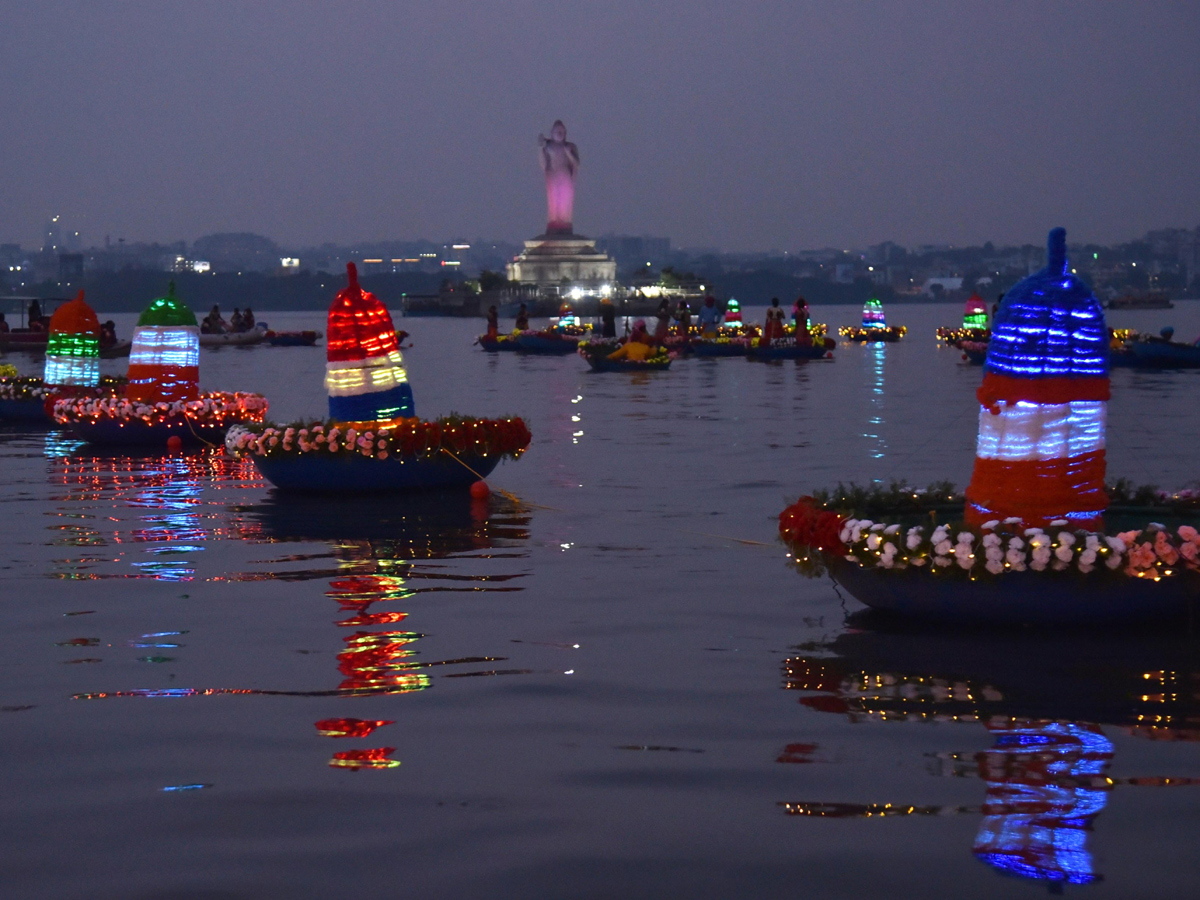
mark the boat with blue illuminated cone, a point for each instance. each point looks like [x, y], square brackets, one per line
[72, 367]
[874, 326]
[373, 440]
[162, 404]
[1029, 542]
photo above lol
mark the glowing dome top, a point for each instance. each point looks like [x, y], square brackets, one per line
[166, 311]
[75, 317]
[1050, 324]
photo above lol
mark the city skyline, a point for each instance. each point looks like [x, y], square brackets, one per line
[792, 127]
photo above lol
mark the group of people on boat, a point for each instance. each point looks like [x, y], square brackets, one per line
[673, 320]
[775, 326]
[214, 322]
[493, 321]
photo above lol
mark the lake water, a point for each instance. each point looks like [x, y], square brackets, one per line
[615, 687]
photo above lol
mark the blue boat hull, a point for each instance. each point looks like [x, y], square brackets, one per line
[797, 352]
[498, 345]
[311, 473]
[536, 343]
[1019, 598]
[1163, 355]
[712, 348]
[23, 411]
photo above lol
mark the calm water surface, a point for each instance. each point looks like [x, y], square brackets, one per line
[615, 687]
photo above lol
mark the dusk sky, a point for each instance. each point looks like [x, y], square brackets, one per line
[742, 126]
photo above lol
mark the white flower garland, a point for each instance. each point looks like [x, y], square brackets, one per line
[1005, 546]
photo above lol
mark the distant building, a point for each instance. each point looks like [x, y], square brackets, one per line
[933, 286]
[51, 236]
[70, 268]
[240, 251]
[887, 252]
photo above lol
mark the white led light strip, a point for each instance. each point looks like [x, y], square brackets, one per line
[1042, 431]
[368, 376]
[165, 346]
[79, 370]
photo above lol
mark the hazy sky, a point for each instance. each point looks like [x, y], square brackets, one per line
[742, 125]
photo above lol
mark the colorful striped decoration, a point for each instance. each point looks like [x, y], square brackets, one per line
[1043, 402]
[364, 372]
[73, 349]
[975, 313]
[873, 314]
[164, 362]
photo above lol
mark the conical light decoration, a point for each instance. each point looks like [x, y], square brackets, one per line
[1040, 451]
[873, 314]
[164, 362]
[73, 350]
[975, 313]
[733, 312]
[364, 372]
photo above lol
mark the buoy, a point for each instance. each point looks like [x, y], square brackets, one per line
[480, 490]
[174, 443]
[1040, 454]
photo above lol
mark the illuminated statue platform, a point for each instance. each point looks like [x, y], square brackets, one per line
[551, 259]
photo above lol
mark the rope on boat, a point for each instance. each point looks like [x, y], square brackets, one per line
[508, 495]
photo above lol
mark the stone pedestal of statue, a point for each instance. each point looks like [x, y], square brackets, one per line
[550, 259]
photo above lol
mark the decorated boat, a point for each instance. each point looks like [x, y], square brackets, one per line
[162, 403]
[1162, 353]
[495, 343]
[874, 326]
[598, 352]
[721, 345]
[553, 341]
[790, 348]
[974, 325]
[72, 367]
[974, 352]
[1028, 543]
[373, 440]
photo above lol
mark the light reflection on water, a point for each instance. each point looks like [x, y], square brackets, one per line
[511, 659]
[1046, 779]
